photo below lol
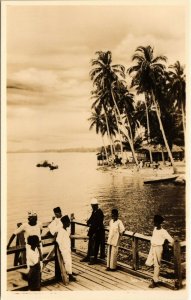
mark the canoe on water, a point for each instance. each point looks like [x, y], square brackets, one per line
[156, 179]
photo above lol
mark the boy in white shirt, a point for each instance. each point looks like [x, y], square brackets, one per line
[155, 254]
[116, 229]
[64, 242]
[34, 263]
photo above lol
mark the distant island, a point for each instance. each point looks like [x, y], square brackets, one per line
[80, 149]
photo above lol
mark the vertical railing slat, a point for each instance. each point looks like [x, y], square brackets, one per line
[57, 267]
[135, 254]
[20, 257]
[177, 264]
[72, 218]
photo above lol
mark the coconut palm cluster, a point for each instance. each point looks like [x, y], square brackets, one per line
[159, 114]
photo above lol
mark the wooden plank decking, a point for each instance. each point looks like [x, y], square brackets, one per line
[132, 275]
[96, 278]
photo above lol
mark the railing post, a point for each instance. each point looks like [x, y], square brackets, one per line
[135, 254]
[177, 264]
[57, 266]
[61, 273]
[20, 257]
[72, 218]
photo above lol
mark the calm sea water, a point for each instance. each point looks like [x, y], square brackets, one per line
[76, 181]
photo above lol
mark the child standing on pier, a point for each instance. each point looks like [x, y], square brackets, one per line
[34, 263]
[116, 229]
[155, 254]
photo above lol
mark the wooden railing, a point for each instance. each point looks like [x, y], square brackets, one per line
[135, 240]
[176, 264]
[19, 261]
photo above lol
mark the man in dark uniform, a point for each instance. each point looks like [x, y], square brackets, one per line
[96, 234]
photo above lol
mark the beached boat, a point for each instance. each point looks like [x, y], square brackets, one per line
[158, 179]
[181, 180]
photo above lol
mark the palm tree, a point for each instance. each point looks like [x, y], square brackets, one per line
[148, 74]
[98, 121]
[143, 116]
[178, 88]
[104, 76]
[127, 109]
[125, 104]
[100, 104]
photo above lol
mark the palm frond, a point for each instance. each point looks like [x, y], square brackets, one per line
[158, 58]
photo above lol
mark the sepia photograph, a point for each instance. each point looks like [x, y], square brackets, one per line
[94, 156]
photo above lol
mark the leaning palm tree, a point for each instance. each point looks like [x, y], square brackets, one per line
[147, 106]
[148, 74]
[100, 105]
[178, 88]
[125, 102]
[104, 75]
[104, 100]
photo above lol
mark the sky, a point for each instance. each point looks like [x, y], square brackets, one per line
[48, 53]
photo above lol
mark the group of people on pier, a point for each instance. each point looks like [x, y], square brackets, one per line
[59, 228]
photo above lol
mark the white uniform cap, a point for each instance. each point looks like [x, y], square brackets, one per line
[32, 214]
[94, 201]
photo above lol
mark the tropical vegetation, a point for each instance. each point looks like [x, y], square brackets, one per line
[117, 115]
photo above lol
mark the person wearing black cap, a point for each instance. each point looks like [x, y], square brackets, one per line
[116, 229]
[64, 243]
[96, 234]
[56, 223]
[155, 254]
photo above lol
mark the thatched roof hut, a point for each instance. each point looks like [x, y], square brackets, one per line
[158, 152]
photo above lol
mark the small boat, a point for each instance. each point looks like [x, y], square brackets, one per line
[53, 167]
[46, 164]
[181, 180]
[158, 179]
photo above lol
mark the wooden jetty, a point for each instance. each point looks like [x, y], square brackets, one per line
[132, 274]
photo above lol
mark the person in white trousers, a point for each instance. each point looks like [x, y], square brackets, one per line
[34, 263]
[116, 229]
[155, 254]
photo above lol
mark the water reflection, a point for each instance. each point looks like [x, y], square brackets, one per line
[77, 181]
[137, 203]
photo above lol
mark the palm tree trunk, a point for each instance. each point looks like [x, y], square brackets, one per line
[121, 145]
[105, 149]
[148, 128]
[108, 132]
[124, 130]
[183, 120]
[163, 159]
[130, 131]
[162, 131]
[112, 143]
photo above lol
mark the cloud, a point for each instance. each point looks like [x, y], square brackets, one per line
[53, 60]
[49, 49]
[125, 50]
[45, 87]
[35, 79]
[43, 129]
